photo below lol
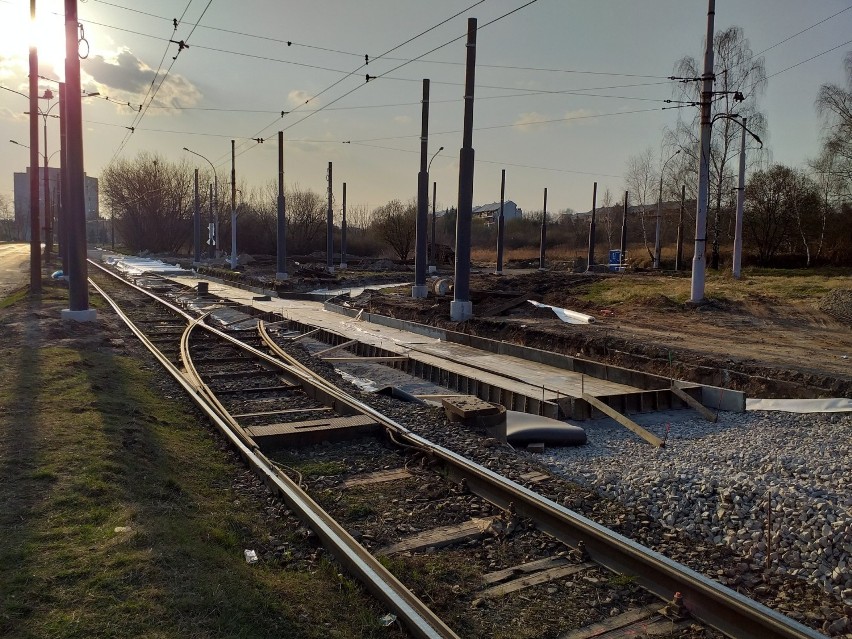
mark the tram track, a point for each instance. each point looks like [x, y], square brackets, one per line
[270, 386]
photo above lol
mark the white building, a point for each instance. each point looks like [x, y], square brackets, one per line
[490, 212]
[22, 199]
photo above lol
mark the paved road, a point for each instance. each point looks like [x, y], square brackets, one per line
[14, 267]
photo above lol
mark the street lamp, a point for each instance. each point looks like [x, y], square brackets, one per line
[215, 200]
[660, 213]
[433, 252]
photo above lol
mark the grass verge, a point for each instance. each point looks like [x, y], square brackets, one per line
[123, 516]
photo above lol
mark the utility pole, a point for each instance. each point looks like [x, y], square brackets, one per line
[591, 257]
[78, 285]
[622, 259]
[541, 249]
[420, 246]
[698, 259]
[329, 233]
[233, 208]
[738, 231]
[461, 308]
[35, 214]
[196, 224]
[343, 232]
[281, 264]
[433, 267]
[501, 222]
[48, 226]
[679, 255]
[63, 182]
[212, 230]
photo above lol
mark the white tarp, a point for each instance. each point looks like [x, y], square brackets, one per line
[831, 405]
[571, 317]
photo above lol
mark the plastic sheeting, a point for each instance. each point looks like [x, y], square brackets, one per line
[831, 405]
[566, 315]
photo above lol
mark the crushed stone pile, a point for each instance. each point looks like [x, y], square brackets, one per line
[838, 304]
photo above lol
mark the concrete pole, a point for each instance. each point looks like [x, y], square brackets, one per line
[420, 243]
[78, 285]
[541, 250]
[624, 232]
[591, 257]
[196, 225]
[461, 308]
[281, 255]
[211, 232]
[329, 228]
[35, 214]
[233, 208]
[63, 182]
[738, 231]
[657, 238]
[679, 255]
[48, 226]
[698, 258]
[501, 222]
[343, 232]
[432, 263]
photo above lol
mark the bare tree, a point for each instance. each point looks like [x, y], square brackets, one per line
[641, 178]
[606, 204]
[395, 223]
[834, 103]
[306, 219]
[152, 202]
[740, 82]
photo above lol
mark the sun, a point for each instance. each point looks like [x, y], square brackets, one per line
[47, 33]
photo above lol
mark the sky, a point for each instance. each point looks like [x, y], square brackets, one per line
[534, 114]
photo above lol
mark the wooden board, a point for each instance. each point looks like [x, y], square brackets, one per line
[376, 358]
[514, 571]
[690, 401]
[604, 627]
[438, 537]
[651, 438]
[312, 431]
[335, 348]
[535, 477]
[283, 411]
[535, 579]
[377, 477]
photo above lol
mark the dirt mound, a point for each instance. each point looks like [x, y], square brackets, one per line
[838, 304]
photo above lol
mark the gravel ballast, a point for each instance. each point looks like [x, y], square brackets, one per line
[715, 482]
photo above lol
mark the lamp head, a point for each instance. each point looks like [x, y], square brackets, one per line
[48, 94]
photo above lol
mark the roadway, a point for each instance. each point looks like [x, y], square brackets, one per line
[14, 266]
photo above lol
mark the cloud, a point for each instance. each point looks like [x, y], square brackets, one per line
[131, 77]
[402, 119]
[298, 97]
[527, 121]
[579, 116]
[8, 114]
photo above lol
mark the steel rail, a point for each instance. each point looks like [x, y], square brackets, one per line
[414, 614]
[708, 601]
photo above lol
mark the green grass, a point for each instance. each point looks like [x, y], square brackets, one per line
[88, 444]
[14, 297]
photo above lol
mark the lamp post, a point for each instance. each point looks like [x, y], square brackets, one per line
[215, 243]
[433, 253]
[657, 241]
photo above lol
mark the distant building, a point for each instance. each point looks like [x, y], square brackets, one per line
[490, 212]
[22, 199]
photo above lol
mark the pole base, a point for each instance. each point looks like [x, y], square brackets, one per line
[419, 292]
[460, 311]
[433, 269]
[282, 276]
[330, 269]
[343, 266]
[88, 315]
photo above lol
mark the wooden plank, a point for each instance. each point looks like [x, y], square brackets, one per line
[690, 401]
[283, 411]
[535, 579]
[256, 389]
[438, 537]
[335, 348]
[535, 476]
[599, 628]
[377, 477]
[377, 358]
[533, 566]
[308, 334]
[629, 424]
